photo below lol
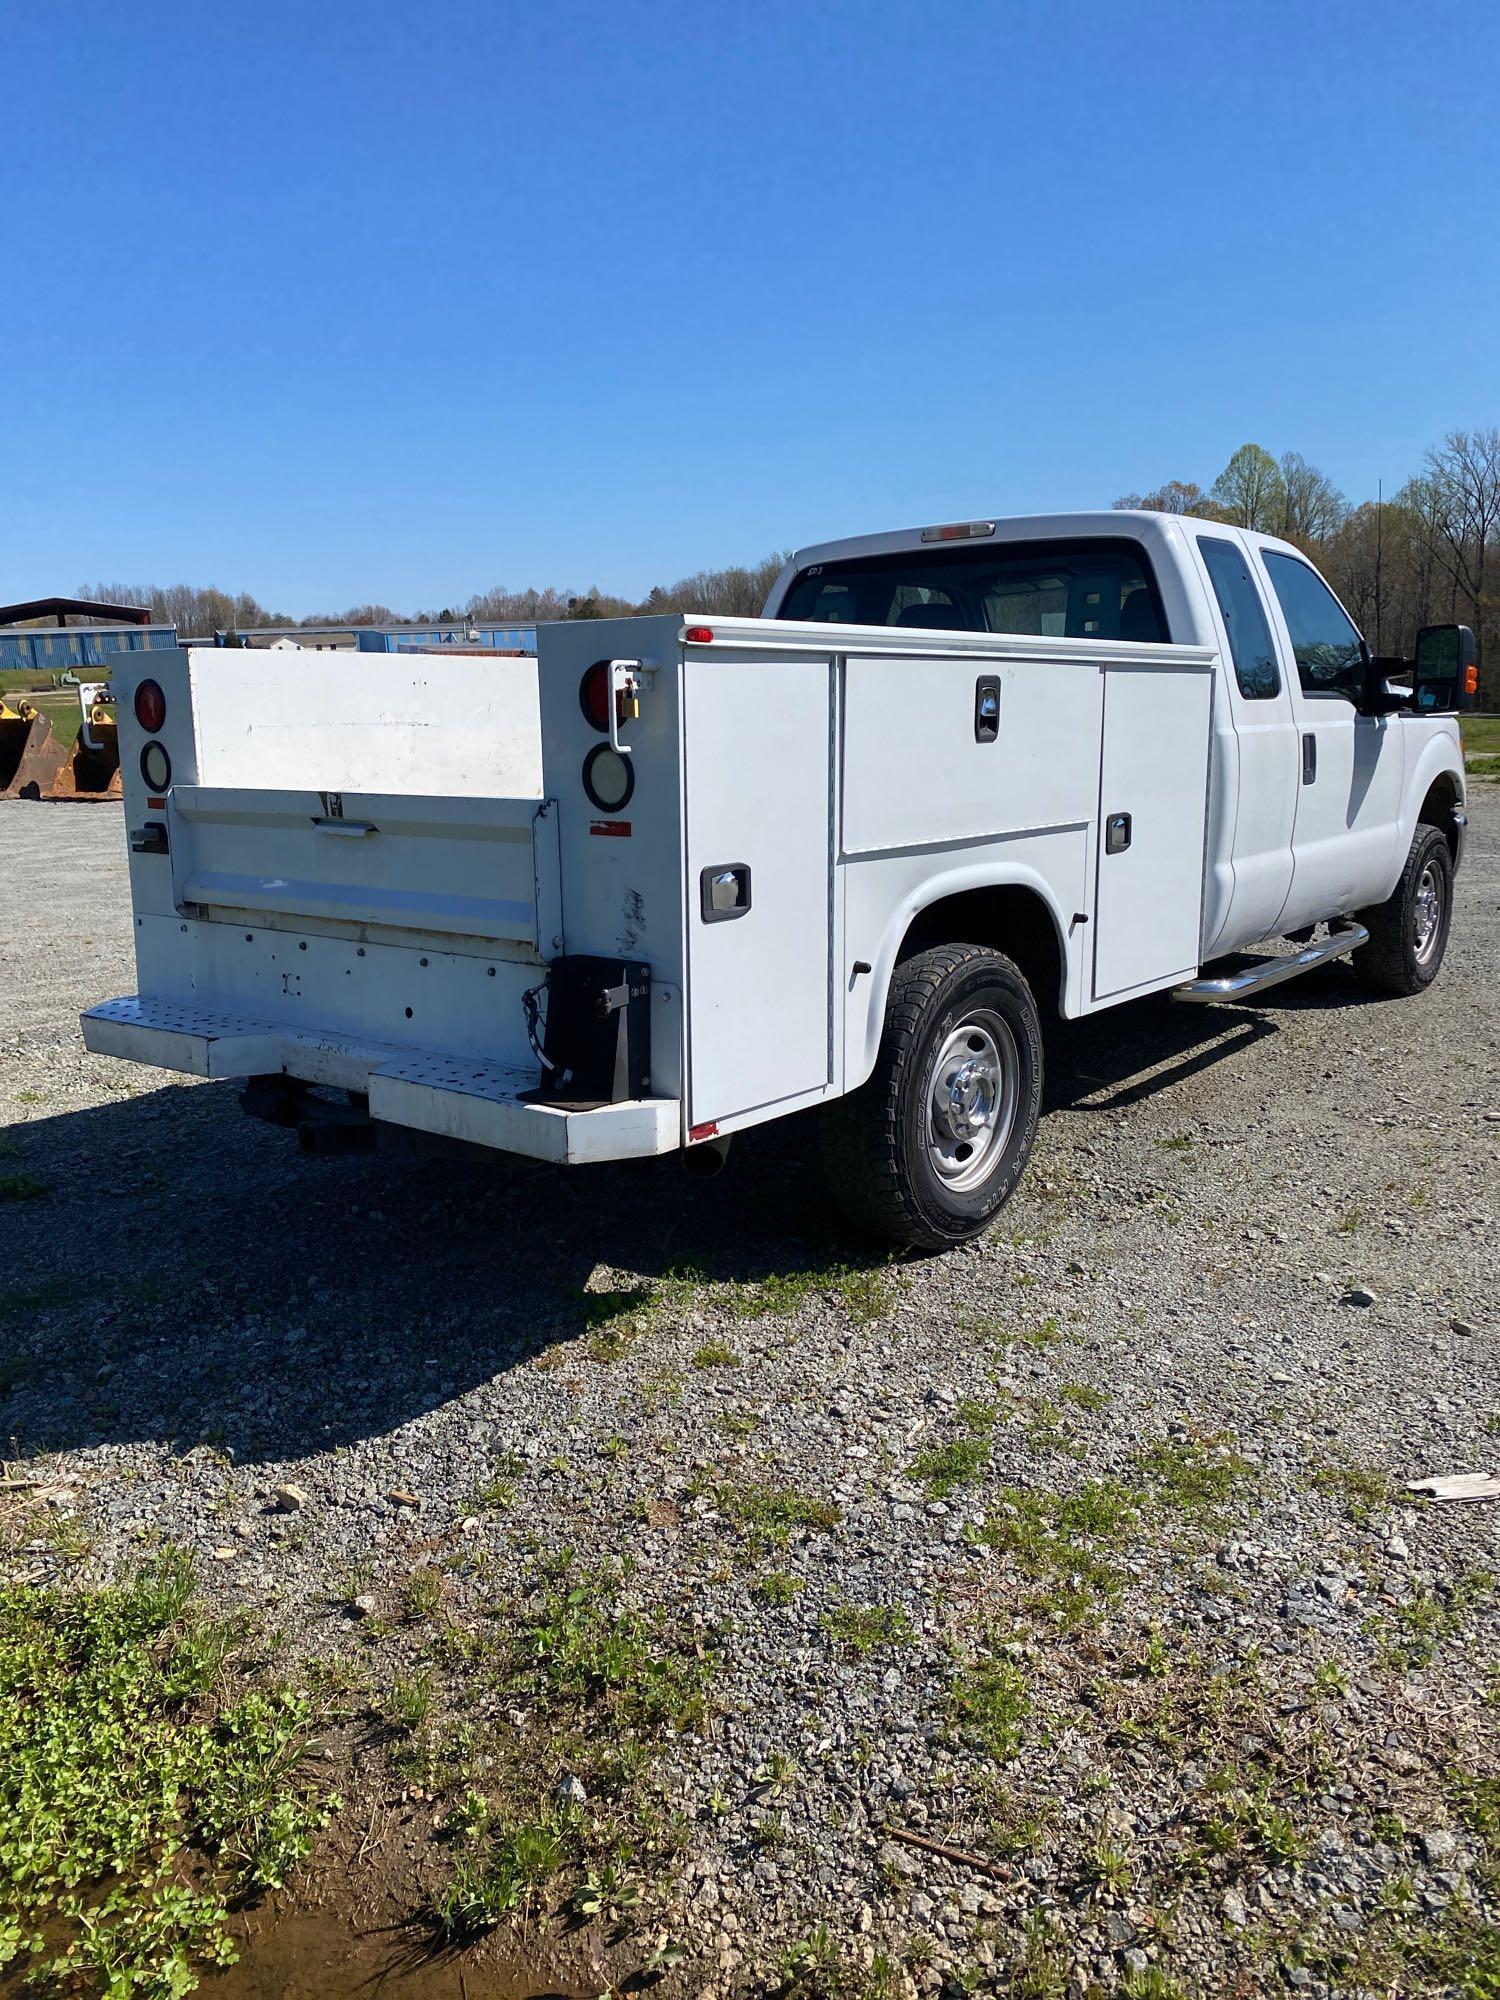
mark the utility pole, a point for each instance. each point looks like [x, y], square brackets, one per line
[1379, 536]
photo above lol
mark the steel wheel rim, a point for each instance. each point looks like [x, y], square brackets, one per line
[1427, 917]
[971, 1102]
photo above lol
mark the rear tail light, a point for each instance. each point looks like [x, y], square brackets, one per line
[150, 706]
[593, 696]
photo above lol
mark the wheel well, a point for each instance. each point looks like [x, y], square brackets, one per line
[1439, 806]
[1005, 918]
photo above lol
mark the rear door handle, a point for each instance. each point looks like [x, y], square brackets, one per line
[1309, 757]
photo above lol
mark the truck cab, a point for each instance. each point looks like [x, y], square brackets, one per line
[1313, 795]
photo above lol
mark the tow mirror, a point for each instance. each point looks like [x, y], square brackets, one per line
[1378, 697]
[1446, 675]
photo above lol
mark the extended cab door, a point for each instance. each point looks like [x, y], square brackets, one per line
[1350, 766]
[1266, 744]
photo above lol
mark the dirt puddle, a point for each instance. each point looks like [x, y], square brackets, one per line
[317, 1955]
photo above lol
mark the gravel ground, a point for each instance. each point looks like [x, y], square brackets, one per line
[1084, 1552]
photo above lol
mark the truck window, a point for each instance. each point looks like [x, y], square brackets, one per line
[1244, 617]
[1064, 589]
[1330, 653]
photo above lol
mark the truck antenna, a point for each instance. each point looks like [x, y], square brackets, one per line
[1379, 530]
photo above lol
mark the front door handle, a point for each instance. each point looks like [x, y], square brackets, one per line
[1117, 831]
[1309, 757]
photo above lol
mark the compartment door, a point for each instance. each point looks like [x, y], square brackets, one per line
[1153, 805]
[757, 772]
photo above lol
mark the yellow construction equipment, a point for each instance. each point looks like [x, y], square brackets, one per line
[92, 770]
[31, 756]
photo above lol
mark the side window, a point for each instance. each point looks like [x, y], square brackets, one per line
[1244, 616]
[1330, 653]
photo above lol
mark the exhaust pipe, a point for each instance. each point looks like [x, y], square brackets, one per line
[706, 1160]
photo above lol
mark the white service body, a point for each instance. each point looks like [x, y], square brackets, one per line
[370, 858]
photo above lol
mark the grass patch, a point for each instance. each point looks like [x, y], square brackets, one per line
[1084, 1396]
[776, 1589]
[1359, 1489]
[716, 1354]
[1412, 1634]
[599, 1685]
[1061, 1544]
[736, 1424]
[947, 1467]
[1194, 1476]
[863, 1628]
[864, 1291]
[22, 1187]
[514, 1863]
[977, 1416]
[988, 1701]
[766, 1515]
[148, 1775]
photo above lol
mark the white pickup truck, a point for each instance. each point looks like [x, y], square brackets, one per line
[678, 875]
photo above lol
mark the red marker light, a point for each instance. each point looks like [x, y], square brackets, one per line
[593, 696]
[699, 635]
[708, 1131]
[150, 707]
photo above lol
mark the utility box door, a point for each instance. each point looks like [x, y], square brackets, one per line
[1154, 778]
[757, 778]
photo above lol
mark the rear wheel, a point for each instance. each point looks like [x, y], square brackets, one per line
[1409, 930]
[934, 1143]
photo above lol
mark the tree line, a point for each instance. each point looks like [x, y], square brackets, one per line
[1428, 555]
[739, 591]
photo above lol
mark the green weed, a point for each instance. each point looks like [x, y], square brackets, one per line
[864, 1627]
[133, 1732]
[945, 1468]
[766, 1515]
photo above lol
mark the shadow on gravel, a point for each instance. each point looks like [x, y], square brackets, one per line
[182, 1273]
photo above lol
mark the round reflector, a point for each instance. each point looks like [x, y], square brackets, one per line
[608, 778]
[150, 706]
[593, 695]
[156, 767]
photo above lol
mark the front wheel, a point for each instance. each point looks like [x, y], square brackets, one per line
[1409, 930]
[934, 1143]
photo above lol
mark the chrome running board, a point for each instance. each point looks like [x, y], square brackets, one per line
[1272, 971]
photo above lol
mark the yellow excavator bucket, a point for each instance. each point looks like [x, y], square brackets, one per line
[31, 757]
[92, 770]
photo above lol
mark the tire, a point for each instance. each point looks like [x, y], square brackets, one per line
[1409, 930]
[930, 1163]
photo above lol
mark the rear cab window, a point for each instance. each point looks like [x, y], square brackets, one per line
[1245, 622]
[1066, 589]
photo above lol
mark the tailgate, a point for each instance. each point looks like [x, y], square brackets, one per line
[363, 862]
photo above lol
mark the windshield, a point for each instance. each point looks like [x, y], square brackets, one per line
[1054, 590]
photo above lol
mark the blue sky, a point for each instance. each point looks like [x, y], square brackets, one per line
[331, 302]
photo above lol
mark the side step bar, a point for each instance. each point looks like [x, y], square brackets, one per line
[1272, 971]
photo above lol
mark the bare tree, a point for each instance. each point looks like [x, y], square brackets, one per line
[1175, 496]
[1312, 507]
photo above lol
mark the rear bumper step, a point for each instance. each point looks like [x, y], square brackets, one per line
[457, 1097]
[1267, 972]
